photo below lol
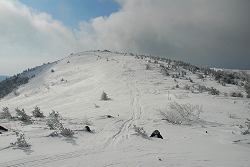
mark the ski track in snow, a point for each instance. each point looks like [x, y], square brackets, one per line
[123, 133]
[116, 137]
[125, 125]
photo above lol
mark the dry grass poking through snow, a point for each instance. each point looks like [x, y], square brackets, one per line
[181, 113]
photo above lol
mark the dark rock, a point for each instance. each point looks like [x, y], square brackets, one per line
[156, 133]
[3, 128]
[88, 129]
[109, 116]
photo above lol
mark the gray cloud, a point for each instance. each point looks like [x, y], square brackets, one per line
[202, 32]
[214, 33]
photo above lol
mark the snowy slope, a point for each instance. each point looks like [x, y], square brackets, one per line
[136, 96]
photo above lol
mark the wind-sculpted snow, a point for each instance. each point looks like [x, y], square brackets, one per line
[137, 87]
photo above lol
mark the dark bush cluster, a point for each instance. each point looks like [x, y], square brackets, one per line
[226, 76]
[10, 84]
[236, 94]
[164, 70]
[172, 63]
[214, 91]
[247, 89]
[222, 76]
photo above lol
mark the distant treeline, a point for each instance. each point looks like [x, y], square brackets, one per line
[221, 76]
[3, 78]
[10, 84]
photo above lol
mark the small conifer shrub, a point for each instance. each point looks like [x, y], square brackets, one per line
[5, 113]
[37, 112]
[22, 115]
[104, 96]
[21, 142]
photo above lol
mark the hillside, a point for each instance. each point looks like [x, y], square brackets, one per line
[198, 128]
[2, 78]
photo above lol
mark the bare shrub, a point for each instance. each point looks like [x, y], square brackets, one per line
[66, 132]
[140, 131]
[86, 121]
[180, 96]
[181, 113]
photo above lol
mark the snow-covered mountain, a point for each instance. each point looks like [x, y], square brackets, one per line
[144, 94]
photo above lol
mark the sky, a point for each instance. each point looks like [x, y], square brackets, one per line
[201, 32]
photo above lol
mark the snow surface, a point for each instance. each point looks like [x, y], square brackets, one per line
[136, 95]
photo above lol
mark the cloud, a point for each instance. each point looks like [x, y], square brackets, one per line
[28, 38]
[202, 32]
[214, 33]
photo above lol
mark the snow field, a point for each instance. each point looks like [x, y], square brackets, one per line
[136, 95]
